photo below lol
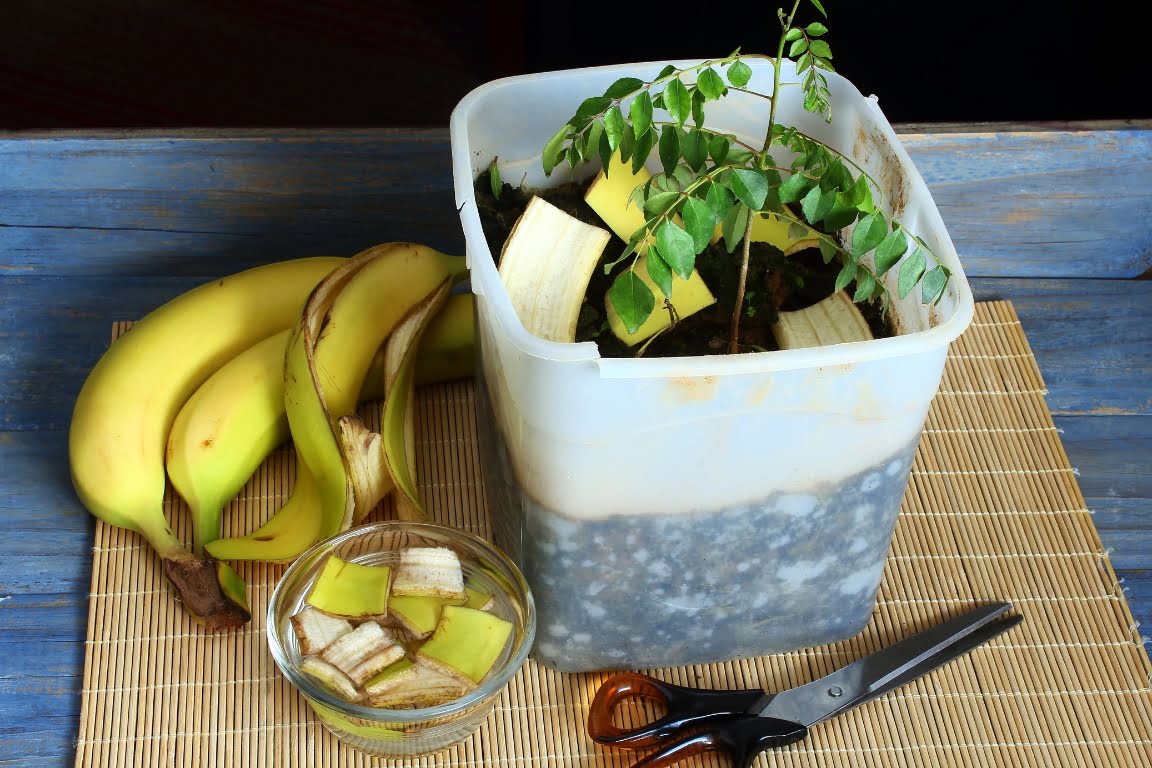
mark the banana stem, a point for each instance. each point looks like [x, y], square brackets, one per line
[211, 591]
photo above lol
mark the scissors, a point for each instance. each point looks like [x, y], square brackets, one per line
[744, 723]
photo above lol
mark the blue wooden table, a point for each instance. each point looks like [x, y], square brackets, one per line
[98, 228]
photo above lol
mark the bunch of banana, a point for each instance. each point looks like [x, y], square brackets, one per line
[203, 381]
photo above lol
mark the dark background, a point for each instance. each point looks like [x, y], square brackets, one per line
[346, 63]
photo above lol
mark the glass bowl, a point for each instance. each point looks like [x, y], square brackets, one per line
[397, 732]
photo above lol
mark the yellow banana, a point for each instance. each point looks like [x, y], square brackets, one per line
[331, 349]
[126, 407]
[236, 418]
[225, 430]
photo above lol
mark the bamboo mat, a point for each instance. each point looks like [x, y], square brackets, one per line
[992, 512]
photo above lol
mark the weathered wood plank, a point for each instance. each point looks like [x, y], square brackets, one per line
[108, 204]
[1111, 454]
[1054, 204]
[52, 331]
[1091, 338]
[60, 616]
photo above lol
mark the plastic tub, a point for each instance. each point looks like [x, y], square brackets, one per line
[689, 510]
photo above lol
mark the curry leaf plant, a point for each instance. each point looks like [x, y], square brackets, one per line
[713, 179]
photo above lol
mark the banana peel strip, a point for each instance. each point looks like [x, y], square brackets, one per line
[348, 462]
[397, 414]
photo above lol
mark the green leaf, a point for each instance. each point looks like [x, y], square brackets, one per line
[798, 47]
[817, 204]
[695, 149]
[792, 34]
[739, 74]
[738, 155]
[641, 113]
[700, 222]
[711, 84]
[554, 150]
[803, 63]
[718, 148]
[494, 182]
[605, 152]
[614, 126]
[697, 106]
[659, 270]
[869, 233]
[795, 187]
[628, 251]
[815, 29]
[890, 250]
[669, 69]
[820, 49]
[865, 284]
[641, 150]
[623, 87]
[750, 187]
[677, 101]
[590, 140]
[846, 275]
[683, 176]
[676, 247]
[669, 148]
[589, 109]
[733, 226]
[820, 8]
[842, 214]
[910, 271]
[719, 199]
[935, 280]
[632, 299]
[836, 176]
[627, 142]
[861, 194]
[660, 203]
[828, 250]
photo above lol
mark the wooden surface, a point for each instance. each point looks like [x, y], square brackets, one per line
[101, 228]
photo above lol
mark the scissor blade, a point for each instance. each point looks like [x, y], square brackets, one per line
[888, 668]
[954, 651]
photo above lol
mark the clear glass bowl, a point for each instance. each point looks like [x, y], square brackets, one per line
[396, 732]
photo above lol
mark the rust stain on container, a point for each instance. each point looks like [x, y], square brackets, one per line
[691, 389]
[892, 182]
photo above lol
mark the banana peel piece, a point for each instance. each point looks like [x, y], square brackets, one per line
[397, 416]
[423, 686]
[545, 266]
[315, 630]
[466, 644]
[379, 462]
[833, 320]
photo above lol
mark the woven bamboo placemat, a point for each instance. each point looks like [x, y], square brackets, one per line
[992, 512]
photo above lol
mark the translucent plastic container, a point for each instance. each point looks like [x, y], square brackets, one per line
[689, 510]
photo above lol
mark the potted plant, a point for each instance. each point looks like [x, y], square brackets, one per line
[697, 508]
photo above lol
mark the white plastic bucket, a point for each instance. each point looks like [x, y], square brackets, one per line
[670, 511]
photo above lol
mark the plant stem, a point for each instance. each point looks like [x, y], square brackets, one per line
[762, 162]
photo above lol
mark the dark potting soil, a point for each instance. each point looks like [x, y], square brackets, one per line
[775, 283]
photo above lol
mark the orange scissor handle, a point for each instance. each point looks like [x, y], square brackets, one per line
[685, 708]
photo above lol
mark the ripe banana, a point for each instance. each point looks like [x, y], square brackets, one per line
[236, 418]
[347, 318]
[126, 407]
